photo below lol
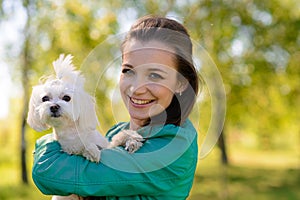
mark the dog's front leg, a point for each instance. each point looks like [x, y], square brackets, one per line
[131, 140]
[92, 152]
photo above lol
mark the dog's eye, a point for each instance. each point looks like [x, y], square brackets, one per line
[45, 98]
[66, 98]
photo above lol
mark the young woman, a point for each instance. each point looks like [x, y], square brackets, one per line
[159, 85]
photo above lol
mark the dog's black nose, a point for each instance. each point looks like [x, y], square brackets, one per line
[54, 108]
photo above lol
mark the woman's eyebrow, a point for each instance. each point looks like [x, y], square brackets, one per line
[127, 65]
[157, 70]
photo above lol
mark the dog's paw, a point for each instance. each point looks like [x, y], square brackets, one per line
[132, 145]
[92, 153]
[133, 141]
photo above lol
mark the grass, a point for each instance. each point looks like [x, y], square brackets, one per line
[10, 174]
[247, 183]
[21, 192]
[251, 175]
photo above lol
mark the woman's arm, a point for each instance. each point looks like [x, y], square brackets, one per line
[152, 170]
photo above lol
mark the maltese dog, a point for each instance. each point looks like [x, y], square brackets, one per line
[61, 103]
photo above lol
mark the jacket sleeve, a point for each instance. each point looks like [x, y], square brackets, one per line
[152, 171]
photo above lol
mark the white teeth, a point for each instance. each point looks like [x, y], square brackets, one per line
[140, 102]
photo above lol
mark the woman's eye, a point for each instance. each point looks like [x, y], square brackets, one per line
[66, 98]
[46, 98]
[127, 71]
[155, 76]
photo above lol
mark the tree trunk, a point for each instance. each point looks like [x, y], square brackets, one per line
[26, 63]
[25, 66]
[222, 146]
[23, 149]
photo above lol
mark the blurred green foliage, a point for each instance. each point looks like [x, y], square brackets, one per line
[254, 44]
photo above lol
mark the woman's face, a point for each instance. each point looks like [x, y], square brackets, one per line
[148, 80]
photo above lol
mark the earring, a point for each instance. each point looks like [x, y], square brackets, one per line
[180, 93]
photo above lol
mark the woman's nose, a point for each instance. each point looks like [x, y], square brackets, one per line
[138, 86]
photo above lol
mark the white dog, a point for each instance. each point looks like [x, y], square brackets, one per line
[61, 103]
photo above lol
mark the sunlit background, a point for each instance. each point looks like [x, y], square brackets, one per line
[254, 44]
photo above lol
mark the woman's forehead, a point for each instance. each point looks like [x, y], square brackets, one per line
[137, 53]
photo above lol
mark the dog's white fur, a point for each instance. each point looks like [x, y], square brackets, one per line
[62, 103]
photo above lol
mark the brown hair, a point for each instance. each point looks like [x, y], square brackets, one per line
[174, 35]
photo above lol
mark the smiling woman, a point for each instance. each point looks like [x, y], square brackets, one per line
[164, 45]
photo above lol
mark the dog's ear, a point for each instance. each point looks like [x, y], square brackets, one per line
[84, 111]
[33, 118]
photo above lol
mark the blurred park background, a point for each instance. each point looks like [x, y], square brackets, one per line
[254, 44]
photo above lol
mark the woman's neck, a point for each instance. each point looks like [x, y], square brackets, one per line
[136, 124]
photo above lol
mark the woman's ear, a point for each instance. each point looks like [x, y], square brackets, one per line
[181, 86]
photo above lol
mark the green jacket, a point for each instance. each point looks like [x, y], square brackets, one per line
[163, 168]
